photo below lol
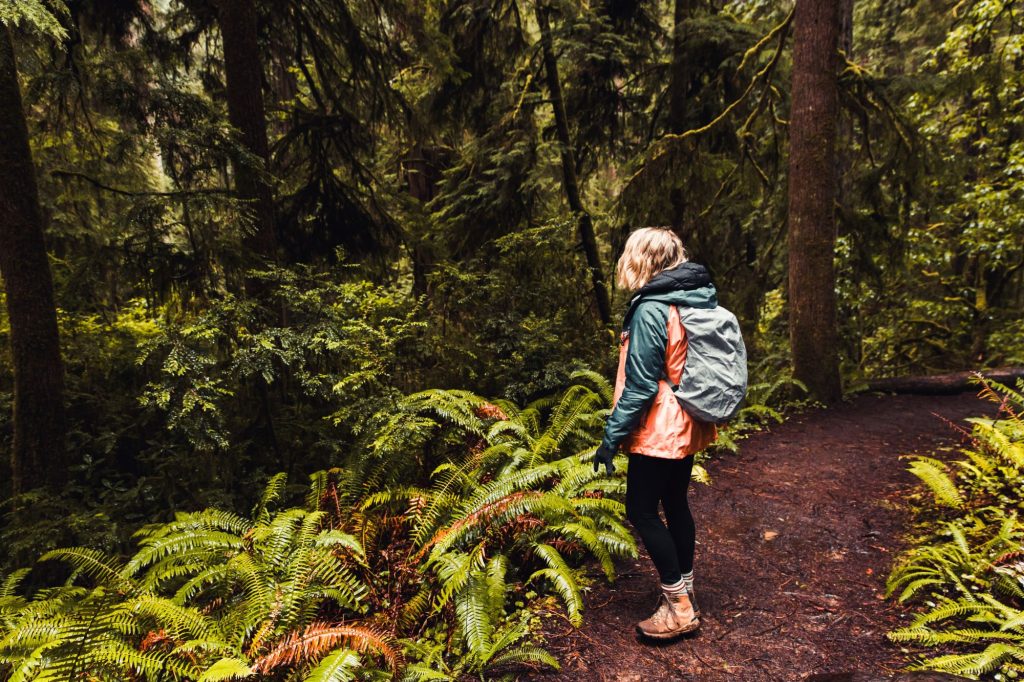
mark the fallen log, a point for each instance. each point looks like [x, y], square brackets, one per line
[939, 384]
[917, 676]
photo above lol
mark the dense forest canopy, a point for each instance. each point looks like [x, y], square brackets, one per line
[270, 226]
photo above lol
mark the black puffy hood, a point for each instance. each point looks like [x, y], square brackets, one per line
[688, 277]
[680, 278]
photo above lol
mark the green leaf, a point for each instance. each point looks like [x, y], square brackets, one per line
[339, 666]
[227, 669]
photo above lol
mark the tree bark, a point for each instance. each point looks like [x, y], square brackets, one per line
[38, 456]
[570, 182]
[845, 121]
[422, 176]
[678, 96]
[812, 193]
[244, 76]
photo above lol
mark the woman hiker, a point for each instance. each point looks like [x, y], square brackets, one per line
[648, 423]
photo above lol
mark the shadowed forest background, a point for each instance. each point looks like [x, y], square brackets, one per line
[365, 250]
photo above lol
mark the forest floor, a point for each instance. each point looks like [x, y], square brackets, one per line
[795, 537]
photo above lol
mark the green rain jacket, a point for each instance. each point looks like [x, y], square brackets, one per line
[647, 418]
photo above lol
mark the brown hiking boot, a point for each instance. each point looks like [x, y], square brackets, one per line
[693, 603]
[674, 616]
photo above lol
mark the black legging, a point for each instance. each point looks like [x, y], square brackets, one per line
[650, 480]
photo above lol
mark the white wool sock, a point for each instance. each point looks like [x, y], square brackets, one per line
[677, 588]
[687, 580]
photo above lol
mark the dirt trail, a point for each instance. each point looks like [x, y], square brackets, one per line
[795, 537]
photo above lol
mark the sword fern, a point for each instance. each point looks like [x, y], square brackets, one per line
[969, 570]
[438, 565]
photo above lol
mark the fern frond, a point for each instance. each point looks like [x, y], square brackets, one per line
[318, 638]
[528, 655]
[978, 663]
[178, 545]
[420, 672]
[208, 519]
[455, 570]
[414, 608]
[489, 512]
[339, 666]
[564, 580]
[594, 542]
[227, 669]
[575, 404]
[211, 575]
[180, 622]
[476, 619]
[453, 406]
[92, 563]
[598, 382]
[999, 442]
[933, 473]
[760, 413]
[271, 493]
[10, 584]
[502, 431]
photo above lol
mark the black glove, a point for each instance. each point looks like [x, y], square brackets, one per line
[604, 455]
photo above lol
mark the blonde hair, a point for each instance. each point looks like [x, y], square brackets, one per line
[648, 251]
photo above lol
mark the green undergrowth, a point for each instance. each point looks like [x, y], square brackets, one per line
[965, 573]
[460, 524]
[382, 572]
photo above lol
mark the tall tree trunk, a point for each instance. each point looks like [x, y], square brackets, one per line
[422, 176]
[845, 134]
[244, 74]
[812, 192]
[39, 456]
[570, 181]
[845, 121]
[678, 95]
[846, 28]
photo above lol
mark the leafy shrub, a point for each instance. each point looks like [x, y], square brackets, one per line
[174, 408]
[517, 319]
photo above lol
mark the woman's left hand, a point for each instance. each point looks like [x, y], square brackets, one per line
[604, 455]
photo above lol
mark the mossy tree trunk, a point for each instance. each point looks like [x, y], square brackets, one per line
[570, 182]
[244, 75]
[38, 456]
[812, 195]
[681, 78]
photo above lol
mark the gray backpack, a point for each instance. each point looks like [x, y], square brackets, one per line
[714, 380]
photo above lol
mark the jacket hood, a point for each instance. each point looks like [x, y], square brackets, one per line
[680, 278]
[704, 297]
[687, 285]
